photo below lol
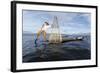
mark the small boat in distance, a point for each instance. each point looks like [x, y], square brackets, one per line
[72, 39]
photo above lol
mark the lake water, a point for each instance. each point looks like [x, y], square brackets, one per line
[43, 51]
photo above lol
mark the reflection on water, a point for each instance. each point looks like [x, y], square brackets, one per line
[44, 51]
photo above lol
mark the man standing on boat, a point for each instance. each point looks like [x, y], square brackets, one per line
[42, 31]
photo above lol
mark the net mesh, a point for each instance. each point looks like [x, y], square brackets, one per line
[55, 36]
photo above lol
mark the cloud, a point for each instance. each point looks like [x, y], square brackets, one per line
[68, 21]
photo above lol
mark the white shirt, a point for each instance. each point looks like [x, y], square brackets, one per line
[45, 27]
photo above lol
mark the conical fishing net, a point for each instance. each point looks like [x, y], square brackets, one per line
[55, 36]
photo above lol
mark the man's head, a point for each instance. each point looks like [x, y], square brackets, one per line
[46, 23]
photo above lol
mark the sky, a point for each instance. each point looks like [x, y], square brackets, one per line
[69, 22]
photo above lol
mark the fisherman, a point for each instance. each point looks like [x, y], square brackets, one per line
[43, 30]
